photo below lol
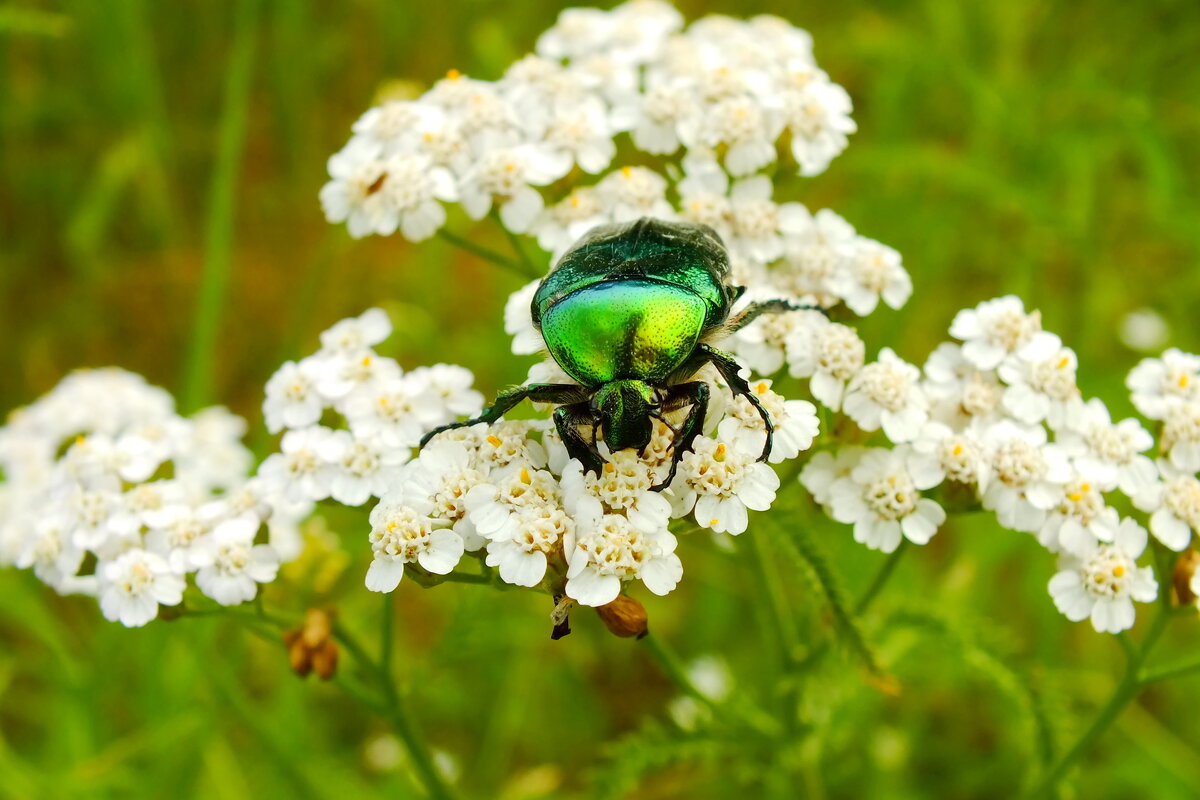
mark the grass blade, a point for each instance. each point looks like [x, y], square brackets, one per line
[218, 243]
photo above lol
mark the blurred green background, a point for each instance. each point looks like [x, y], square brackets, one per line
[1045, 148]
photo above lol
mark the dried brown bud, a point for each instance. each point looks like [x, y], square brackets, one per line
[625, 617]
[310, 647]
[324, 661]
[1185, 568]
[318, 627]
[298, 655]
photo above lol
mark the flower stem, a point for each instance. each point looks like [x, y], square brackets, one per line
[1166, 673]
[668, 662]
[393, 708]
[670, 666]
[808, 557]
[402, 724]
[386, 628]
[1127, 689]
[864, 601]
[515, 243]
[466, 577]
[390, 705]
[880, 580]
[776, 600]
[485, 253]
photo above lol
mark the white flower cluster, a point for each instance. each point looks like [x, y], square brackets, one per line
[507, 493]
[385, 411]
[108, 492]
[721, 98]
[997, 418]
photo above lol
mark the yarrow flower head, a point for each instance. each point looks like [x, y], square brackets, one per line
[1174, 508]
[887, 394]
[1103, 582]
[999, 420]
[1159, 384]
[402, 534]
[721, 483]
[140, 498]
[609, 550]
[994, 330]
[601, 82]
[882, 498]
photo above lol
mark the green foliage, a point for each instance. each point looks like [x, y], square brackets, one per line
[1046, 149]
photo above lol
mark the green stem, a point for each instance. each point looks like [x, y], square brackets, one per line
[390, 708]
[465, 577]
[522, 256]
[218, 240]
[674, 671]
[233, 612]
[880, 580]
[386, 627]
[1127, 645]
[360, 693]
[485, 253]
[668, 662]
[352, 646]
[1127, 689]
[866, 599]
[776, 600]
[402, 724]
[393, 708]
[1167, 673]
[1157, 626]
[807, 555]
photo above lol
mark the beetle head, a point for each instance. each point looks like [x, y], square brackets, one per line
[623, 408]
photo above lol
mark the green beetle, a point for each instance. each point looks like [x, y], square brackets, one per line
[628, 312]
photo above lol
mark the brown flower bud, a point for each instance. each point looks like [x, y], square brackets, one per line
[298, 656]
[624, 617]
[1185, 568]
[324, 661]
[311, 647]
[318, 627]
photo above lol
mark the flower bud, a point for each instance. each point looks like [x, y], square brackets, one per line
[318, 627]
[311, 646]
[1185, 568]
[624, 617]
[298, 656]
[324, 661]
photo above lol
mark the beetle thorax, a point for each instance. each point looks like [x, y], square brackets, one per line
[623, 408]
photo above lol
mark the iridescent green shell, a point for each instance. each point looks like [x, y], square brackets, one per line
[631, 301]
[681, 253]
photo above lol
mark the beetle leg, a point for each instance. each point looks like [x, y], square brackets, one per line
[756, 310]
[729, 368]
[567, 420]
[696, 395]
[560, 393]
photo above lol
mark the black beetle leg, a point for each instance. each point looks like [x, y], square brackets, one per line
[567, 420]
[696, 395]
[728, 368]
[510, 398]
[756, 310]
